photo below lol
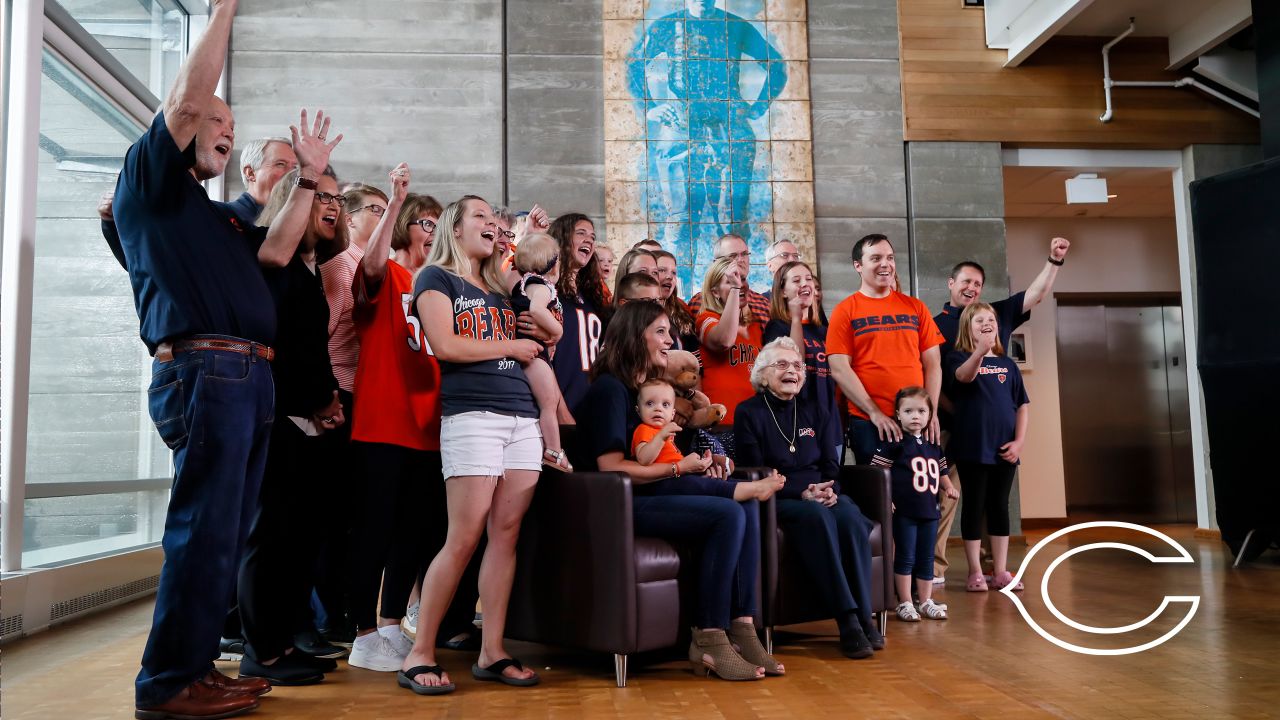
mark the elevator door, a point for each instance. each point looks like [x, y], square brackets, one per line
[1122, 379]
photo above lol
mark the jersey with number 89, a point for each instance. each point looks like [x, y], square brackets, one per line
[916, 466]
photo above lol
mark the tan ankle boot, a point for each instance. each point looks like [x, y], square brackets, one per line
[723, 661]
[747, 643]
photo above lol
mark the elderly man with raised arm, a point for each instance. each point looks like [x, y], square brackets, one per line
[206, 314]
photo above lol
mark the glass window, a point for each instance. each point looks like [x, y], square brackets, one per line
[87, 417]
[67, 528]
[148, 37]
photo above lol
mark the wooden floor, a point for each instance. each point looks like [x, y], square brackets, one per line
[983, 663]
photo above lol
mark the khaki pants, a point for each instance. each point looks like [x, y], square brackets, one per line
[948, 506]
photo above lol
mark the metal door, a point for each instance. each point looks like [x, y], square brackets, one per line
[1125, 423]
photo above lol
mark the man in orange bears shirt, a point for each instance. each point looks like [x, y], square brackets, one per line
[880, 341]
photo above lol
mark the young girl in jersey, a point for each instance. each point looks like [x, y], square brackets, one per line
[919, 470]
[987, 433]
[652, 443]
[535, 260]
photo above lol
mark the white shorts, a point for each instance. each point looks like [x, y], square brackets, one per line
[486, 444]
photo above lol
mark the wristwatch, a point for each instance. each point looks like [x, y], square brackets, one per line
[306, 183]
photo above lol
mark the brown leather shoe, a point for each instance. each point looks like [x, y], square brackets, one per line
[252, 686]
[198, 701]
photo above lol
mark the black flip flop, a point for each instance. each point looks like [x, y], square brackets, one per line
[405, 679]
[493, 673]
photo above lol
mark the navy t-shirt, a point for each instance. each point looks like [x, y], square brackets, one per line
[1009, 316]
[818, 387]
[244, 208]
[496, 386]
[986, 410]
[760, 443]
[577, 349]
[916, 466]
[611, 407]
[194, 269]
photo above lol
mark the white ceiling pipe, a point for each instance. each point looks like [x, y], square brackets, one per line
[1108, 83]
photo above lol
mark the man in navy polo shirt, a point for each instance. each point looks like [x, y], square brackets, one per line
[206, 314]
[965, 286]
[263, 163]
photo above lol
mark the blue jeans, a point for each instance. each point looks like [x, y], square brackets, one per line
[730, 554]
[214, 409]
[913, 542]
[834, 545]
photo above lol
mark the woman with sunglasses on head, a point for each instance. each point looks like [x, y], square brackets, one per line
[795, 311]
[396, 430]
[278, 569]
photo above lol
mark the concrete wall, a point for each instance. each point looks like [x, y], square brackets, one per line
[1107, 255]
[423, 82]
[859, 168]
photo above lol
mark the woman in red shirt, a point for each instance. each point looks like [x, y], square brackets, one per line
[396, 433]
[730, 338]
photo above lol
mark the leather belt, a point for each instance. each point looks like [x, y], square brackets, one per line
[166, 350]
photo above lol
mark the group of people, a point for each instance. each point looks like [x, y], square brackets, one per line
[317, 343]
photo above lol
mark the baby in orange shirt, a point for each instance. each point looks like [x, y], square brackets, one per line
[652, 443]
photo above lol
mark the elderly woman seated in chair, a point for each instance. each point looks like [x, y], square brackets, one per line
[802, 442]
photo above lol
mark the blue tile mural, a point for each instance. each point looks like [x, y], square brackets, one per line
[703, 74]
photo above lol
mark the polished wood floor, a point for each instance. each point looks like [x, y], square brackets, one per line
[985, 662]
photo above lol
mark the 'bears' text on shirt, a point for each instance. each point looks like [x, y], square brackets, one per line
[879, 323]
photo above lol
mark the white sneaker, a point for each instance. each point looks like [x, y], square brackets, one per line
[396, 639]
[939, 580]
[373, 652]
[932, 610]
[409, 623]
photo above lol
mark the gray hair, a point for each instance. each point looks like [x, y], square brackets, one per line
[768, 354]
[255, 152]
[772, 251]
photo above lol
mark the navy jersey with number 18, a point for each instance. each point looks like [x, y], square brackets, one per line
[577, 349]
[917, 466]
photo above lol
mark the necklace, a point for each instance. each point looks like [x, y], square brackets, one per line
[795, 415]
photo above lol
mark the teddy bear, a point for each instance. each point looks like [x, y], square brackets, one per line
[693, 408]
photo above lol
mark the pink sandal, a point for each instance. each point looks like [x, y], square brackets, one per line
[1003, 580]
[976, 583]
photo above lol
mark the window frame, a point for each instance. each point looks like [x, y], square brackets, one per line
[32, 27]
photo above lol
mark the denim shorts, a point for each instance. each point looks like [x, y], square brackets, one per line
[486, 444]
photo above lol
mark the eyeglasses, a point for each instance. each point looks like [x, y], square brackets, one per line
[788, 256]
[325, 198]
[744, 255]
[505, 233]
[782, 365]
[426, 224]
[377, 210]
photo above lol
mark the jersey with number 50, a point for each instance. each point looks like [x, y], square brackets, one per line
[916, 466]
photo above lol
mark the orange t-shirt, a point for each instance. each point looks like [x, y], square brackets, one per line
[645, 433]
[397, 387]
[883, 338]
[726, 376]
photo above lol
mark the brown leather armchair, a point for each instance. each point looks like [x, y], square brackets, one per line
[585, 581]
[789, 595]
